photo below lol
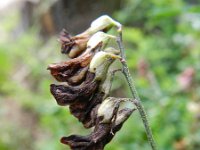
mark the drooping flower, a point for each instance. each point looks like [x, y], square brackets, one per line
[65, 94]
[84, 97]
[73, 71]
[76, 45]
[99, 63]
[104, 23]
[66, 71]
[87, 84]
[73, 46]
[100, 136]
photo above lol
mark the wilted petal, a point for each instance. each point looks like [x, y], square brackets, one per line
[64, 70]
[78, 77]
[86, 110]
[73, 46]
[76, 142]
[65, 95]
[102, 134]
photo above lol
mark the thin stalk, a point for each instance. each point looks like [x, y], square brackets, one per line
[137, 101]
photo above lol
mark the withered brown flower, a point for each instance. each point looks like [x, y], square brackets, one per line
[101, 135]
[86, 111]
[66, 94]
[86, 87]
[75, 45]
[86, 96]
[73, 71]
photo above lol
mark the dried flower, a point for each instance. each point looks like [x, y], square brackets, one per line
[75, 45]
[81, 98]
[65, 94]
[73, 71]
[88, 84]
[64, 71]
[101, 135]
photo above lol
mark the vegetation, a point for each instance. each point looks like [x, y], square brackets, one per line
[161, 38]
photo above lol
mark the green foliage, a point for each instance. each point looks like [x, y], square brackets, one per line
[164, 34]
[161, 39]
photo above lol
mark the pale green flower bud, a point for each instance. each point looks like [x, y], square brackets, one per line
[104, 22]
[101, 58]
[99, 37]
[108, 109]
[123, 115]
[112, 107]
[112, 50]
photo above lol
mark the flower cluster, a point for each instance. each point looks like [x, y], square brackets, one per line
[86, 84]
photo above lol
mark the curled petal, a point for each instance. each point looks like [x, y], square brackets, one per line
[76, 142]
[61, 94]
[67, 41]
[86, 110]
[65, 70]
[73, 46]
[78, 77]
[101, 135]
[65, 95]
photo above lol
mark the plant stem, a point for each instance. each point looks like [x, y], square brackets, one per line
[134, 93]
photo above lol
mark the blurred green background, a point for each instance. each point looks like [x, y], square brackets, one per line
[162, 41]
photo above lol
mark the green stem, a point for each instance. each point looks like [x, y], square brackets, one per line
[135, 95]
